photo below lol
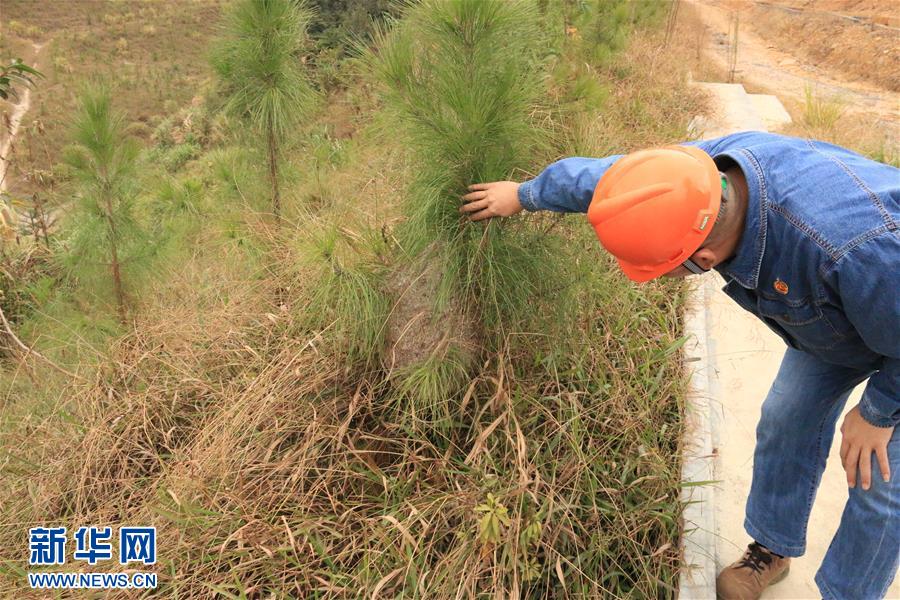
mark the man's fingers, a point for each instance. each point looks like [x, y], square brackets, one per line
[850, 464]
[882, 456]
[475, 195]
[865, 468]
[480, 186]
[473, 206]
[482, 214]
[844, 447]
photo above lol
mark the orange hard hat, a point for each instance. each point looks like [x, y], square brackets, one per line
[653, 208]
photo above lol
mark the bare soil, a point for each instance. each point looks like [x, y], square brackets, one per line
[762, 63]
[860, 39]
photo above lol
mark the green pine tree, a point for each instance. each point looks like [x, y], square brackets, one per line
[257, 58]
[461, 80]
[104, 235]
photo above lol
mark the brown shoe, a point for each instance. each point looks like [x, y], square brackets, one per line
[755, 571]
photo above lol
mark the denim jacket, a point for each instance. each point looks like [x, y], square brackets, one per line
[823, 222]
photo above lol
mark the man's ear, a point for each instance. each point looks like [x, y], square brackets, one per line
[704, 257]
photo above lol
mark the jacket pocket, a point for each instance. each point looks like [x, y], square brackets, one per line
[801, 324]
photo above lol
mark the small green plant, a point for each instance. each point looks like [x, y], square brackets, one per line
[493, 516]
[234, 175]
[179, 198]
[257, 59]
[344, 299]
[16, 73]
[820, 112]
[429, 385]
[175, 157]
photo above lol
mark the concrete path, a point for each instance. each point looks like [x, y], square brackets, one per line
[744, 356]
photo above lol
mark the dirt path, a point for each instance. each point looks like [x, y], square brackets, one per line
[6, 148]
[760, 64]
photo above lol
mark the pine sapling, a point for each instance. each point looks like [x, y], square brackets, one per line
[258, 61]
[103, 230]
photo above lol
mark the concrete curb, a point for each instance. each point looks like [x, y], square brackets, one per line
[698, 575]
[734, 110]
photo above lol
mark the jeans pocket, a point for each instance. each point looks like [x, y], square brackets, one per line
[801, 324]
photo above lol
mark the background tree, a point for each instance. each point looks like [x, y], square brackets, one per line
[103, 229]
[258, 60]
[339, 21]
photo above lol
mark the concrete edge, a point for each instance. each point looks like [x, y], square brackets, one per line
[736, 111]
[698, 542]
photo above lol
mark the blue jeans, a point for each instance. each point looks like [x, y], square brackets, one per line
[793, 438]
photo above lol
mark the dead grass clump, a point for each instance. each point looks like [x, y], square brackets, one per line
[820, 112]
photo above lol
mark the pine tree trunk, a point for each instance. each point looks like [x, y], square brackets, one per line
[42, 219]
[114, 263]
[273, 172]
[117, 280]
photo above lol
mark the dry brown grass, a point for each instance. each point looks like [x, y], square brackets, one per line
[869, 135]
[153, 71]
[268, 470]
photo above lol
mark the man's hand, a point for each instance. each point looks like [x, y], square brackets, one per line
[496, 199]
[859, 440]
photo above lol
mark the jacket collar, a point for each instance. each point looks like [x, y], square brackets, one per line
[745, 265]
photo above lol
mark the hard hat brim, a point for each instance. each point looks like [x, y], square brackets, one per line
[642, 274]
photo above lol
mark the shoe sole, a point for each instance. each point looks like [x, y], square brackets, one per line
[778, 578]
